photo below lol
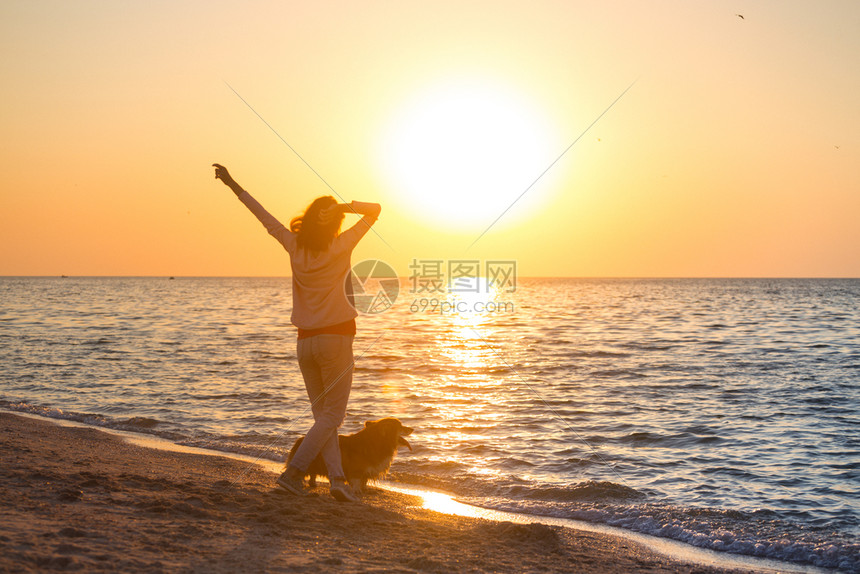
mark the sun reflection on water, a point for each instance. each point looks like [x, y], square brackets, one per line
[465, 399]
[472, 313]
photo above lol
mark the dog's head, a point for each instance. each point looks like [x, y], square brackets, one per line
[391, 428]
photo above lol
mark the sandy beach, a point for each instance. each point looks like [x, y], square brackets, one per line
[83, 499]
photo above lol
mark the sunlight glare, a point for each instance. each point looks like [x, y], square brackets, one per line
[461, 154]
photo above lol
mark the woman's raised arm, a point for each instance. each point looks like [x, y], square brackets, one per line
[224, 175]
[275, 228]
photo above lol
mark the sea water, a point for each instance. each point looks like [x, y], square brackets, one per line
[724, 413]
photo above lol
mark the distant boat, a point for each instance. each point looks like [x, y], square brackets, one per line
[64, 276]
[171, 278]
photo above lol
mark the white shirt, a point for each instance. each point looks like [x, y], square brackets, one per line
[319, 294]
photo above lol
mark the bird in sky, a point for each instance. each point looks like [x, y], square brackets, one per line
[741, 16]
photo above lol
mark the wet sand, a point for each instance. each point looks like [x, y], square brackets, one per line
[83, 499]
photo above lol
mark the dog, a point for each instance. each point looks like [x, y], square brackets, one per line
[366, 455]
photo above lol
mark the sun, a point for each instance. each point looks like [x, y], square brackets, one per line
[460, 154]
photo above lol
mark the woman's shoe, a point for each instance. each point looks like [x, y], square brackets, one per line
[342, 492]
[291, 484]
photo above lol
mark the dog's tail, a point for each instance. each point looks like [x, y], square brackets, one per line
[293, 451]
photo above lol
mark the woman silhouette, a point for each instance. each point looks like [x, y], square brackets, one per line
[320, 263]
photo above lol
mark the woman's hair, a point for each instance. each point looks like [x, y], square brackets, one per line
[311, 235]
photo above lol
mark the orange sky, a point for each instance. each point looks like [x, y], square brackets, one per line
[736, 153]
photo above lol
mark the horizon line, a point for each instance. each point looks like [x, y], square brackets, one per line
[642, 277]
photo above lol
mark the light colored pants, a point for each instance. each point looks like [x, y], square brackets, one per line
[327, 365]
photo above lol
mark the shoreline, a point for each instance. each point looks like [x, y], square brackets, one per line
[77, 497]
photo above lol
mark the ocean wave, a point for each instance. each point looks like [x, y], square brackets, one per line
[584, 491]
[275, 451]
[265, 447]
[619, 374]
[597, 354]
[759, 534]
[140, 423]
[676, 440]
[242, 397]
[143, 425]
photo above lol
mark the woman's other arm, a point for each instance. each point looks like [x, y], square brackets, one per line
[369, 211]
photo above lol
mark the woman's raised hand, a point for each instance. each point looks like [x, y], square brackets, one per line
[222, 174]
